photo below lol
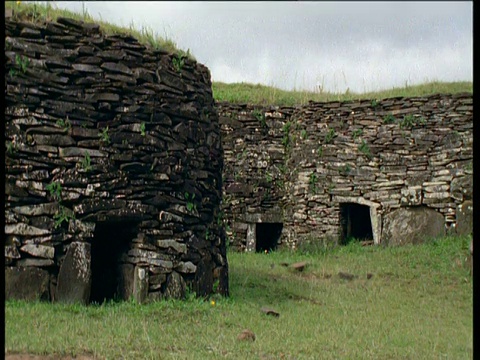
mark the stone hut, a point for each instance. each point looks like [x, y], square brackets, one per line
[389, 171]
[113, 168]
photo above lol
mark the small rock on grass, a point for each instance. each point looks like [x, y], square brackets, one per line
[246, 335]
[299, 266]
[270, 311]
[346, 276]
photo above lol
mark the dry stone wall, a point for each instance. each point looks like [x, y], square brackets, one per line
[324, 164]
[113, 168]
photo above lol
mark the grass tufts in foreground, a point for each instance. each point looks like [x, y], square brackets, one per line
[268, 95]
[409, 302]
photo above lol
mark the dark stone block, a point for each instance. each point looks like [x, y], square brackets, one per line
[465, 218]
[26, 283]
[176, 287]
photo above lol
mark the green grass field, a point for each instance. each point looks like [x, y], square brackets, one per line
[416, 303]
[268, 95]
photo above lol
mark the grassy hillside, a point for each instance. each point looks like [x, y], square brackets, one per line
[350, 302]
[267, 95]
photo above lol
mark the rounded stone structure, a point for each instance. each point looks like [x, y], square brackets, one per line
[113, 168]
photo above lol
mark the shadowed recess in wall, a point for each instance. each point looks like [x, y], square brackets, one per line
[267, 236]
[355, 222]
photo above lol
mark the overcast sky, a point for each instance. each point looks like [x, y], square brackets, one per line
[361, 46]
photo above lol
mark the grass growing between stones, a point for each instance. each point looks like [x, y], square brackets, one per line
[410, 302]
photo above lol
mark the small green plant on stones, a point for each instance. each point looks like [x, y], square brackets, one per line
[66, 124]
[320, 151]
[374, 103]
[312, 182]
[55, 189]
[23, 62]
[142, 129]
[191, 206]
[178, 61]
[10, 147]
[410, 121]
[331, 186]
[104, 137]
[86, 162]
[356, 133]
[345, 170]
[268, 177]
[365, 149]
[260, 116]
[63, 215]
[389, 119]
[286, 141]
[331, 134]
[303, 134]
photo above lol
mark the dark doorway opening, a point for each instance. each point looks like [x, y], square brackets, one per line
[267, 236]
[110, 241]
[356, 222]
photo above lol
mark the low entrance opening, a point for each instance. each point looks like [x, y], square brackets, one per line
[356, 222]
[267, 236]
[111, 239]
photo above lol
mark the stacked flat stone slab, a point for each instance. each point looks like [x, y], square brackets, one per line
[386, 154]
[100, 128]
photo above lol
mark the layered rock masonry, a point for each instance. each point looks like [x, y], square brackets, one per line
[103, 131]
[303, 162]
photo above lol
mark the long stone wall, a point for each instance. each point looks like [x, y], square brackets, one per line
[324, 170]
[113, 168]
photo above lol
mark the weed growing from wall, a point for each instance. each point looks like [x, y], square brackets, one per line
[365, 149]
[65, 124]
[260, 116]
[191, 206]
[389, 119]
[286, 140]
[11, 147]
[312, 182]
[85, 164]
[331, 134]
[356, 133]
[178, 62]
[63, 215]
[320, 151]
[104, 137]
[303, 134]
[410, 121]
[345, 170]
[23, 62]
[142, 129]
[55, 189]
